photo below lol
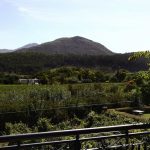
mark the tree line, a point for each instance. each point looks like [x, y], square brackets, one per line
[30, 63]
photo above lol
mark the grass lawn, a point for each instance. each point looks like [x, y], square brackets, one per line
[146, 116]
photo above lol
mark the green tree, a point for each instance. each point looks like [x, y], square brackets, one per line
[146, 93]
[120, 75]
[145, 75]
[141, 54]
[144, 54]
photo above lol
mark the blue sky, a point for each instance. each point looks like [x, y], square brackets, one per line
[120, 25]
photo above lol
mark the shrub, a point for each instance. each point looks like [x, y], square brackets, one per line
[146, 93]
[44, 124]
[16, 128]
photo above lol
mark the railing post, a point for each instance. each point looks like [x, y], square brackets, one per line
[145, 146]
[132, 146]
[139, 146]
[18, 145]
[127, 138]
[77, 145]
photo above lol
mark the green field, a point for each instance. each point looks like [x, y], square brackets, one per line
[146, 116]
[30, 102]
[21, 97]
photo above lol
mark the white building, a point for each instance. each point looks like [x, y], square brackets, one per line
[29, 81]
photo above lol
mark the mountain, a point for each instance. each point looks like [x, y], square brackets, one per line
[23, 47]
[5, 50]
[27, 46]
[74, 45]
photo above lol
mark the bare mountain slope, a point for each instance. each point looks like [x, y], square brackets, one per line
[75, 45]
[5, 50]
[27, 46]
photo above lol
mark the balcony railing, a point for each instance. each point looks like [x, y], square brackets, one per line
[130, 136]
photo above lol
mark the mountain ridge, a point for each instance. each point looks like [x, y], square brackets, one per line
[5, 50]
[28, 46]
[12, 50]
[73, 45]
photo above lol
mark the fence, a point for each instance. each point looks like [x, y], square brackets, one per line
[109, 137]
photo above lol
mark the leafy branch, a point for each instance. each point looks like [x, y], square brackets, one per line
[145, 54]
[137, 55]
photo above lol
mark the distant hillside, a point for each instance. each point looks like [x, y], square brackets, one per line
[76, 51]
[23, 47]
[75, 45]
[5, 50]
[27, 46]
[29, 63]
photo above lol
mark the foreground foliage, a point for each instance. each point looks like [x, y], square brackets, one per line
[91, 119]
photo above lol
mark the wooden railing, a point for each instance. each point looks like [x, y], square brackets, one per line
[109, 137]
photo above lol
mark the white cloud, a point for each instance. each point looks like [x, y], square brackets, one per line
[23, 9]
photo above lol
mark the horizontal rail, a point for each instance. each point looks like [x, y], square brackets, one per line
[72, 132]
[114, 136]
[82, 140]
[67, 107]
[19, 137]
[76, 132]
